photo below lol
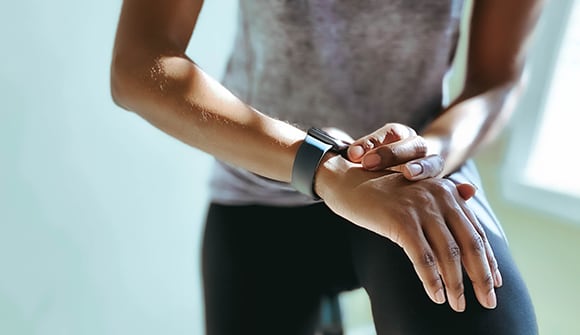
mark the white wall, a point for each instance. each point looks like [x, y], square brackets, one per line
[100, 213]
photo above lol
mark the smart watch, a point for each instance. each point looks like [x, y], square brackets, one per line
[316, 144]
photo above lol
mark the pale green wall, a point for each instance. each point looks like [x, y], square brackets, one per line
[100, 213]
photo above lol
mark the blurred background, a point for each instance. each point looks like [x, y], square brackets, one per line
[101, 214]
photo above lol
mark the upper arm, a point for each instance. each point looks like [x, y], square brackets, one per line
[498, 38]
[147, 31]
[157, 24]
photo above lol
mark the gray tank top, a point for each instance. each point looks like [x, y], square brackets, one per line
[350, 64]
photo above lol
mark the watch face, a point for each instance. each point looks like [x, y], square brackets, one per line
[337, 144]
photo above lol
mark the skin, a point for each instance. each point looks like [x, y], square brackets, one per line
[426, 215]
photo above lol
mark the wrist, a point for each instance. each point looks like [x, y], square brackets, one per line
[328, 175]
[311, 153]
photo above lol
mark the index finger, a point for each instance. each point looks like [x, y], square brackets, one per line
[389, 133]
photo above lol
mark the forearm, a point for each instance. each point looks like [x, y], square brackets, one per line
[499, 36]
[469, 123]
[176, 96]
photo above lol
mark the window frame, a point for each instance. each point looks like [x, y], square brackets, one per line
[539, 74]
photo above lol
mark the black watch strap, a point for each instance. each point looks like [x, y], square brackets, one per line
[316, 144]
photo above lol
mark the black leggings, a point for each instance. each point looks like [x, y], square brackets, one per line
[265, 270]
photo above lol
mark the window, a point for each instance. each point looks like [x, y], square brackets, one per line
[540, 169]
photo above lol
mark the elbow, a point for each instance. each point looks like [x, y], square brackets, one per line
[131, 81]
[117, 93]
[137, 83]
[116, 88]
[121, 83]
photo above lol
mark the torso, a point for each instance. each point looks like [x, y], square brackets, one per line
[350, 64]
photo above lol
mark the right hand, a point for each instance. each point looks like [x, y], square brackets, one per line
[397, 147]
[429, 219]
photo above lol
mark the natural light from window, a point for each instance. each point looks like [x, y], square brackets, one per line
[555, 153]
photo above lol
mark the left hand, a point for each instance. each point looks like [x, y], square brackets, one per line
[397, 147]
[429, 219]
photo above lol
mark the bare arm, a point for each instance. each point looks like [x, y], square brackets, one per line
[498, 39]
[152, 76]
[499, 35]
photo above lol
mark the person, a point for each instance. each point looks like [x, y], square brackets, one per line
[339, 165]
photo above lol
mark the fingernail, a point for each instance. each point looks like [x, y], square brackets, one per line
[371, 161]
[461, 303]
[491, 299]
[356, 151]
[439, 296]
[498, 279]
[415, 169]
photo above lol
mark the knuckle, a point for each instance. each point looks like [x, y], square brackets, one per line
[404, 130]
[427, 259]
[367, 143]
[476, 224]
[387, 152]
[392, 131]
[440, 185]
[453, 253]
[486, 281]
[373, 142]
[420, 148]
[456, 287]
[398, 131]
[442, 190]
[482, 235]
[422, 199]
[434, 282]
[477, 244]
[493, 263]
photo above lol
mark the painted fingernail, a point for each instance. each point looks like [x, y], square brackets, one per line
[440, 296]
[371, 161]
[491, 299]
[415, 169]
[356, 151]
[498, 279]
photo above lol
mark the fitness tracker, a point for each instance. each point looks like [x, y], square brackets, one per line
[316, 144]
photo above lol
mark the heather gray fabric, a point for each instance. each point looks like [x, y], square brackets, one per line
[350, 64]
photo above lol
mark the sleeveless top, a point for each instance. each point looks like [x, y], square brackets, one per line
[350, 64]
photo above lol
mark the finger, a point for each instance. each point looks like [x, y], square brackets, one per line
[448, 256]
[473, 255]
[390, 133]
[422, 168]
[356, 152]
[394, 154]
[425, 265]
[466, 191]
[492, 261]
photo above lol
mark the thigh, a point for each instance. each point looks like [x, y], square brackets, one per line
[265, 268]
[401, 306]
